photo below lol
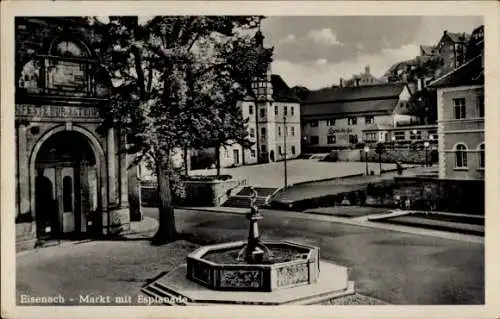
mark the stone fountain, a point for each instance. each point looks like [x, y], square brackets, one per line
[252, 272]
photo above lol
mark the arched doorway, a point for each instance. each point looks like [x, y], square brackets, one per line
[67, 199]
[271, 155]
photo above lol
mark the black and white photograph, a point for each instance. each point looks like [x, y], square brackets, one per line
[258, 158]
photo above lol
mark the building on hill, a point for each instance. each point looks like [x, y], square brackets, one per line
[71, 174]
[452, 48]
[460, 95]
[361, 79]
[336, 117]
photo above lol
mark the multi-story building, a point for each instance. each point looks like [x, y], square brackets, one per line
[336, 117]
[71, 174]
[274, 129]
[460, 95]
[401, 134]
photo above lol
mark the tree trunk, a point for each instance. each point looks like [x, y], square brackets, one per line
[217, 159]
[166, 230]
[186, 165]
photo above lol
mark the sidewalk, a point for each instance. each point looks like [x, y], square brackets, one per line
[138, 230]
[321, 214]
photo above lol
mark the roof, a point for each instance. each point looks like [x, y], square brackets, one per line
[428, 49]
[355, 93]
[471, 73]
[367, 107]
[281, 91]
[458, 37]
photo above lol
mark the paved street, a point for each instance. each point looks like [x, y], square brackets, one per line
[392, 266]
[298, 171]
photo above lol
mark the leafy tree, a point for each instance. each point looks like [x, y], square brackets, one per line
[176, 81]
[423, 104]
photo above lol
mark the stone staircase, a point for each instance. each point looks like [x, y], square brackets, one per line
[164, 295]
[242, 198]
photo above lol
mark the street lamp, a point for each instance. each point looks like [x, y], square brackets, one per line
[284, 144]
[426, 145]
[367, 149]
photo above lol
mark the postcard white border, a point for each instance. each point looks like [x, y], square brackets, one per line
[488, 9]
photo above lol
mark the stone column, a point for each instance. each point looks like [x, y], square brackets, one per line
[111, 157]
[123, 171]
[84, 198]
[24, 180]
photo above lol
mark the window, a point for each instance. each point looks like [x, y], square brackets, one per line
[352, 121]
[67, 194]
[280, 151]
[481, 156]
[314, 140]
[331, 139]
[417, 135]
[285, 111]
[250, 109]
[291, 110]
[252, 153]
[432, 134]
[293, 150]
[275, 110]
[480, 105]
[459, 108]
[293, 130]
[226, 153]
[371, 136]
[369, 119]
[313, 123]
[286, 130]
[262, 112]
[252, 132]
[330, 122]
[279, 130]
[461, 156]
[263, 132]
[263, 148]
[399, 136]
[353, 139]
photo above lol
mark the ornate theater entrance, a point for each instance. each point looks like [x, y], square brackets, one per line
[66, 193]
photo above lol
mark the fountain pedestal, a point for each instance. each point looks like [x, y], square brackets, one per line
[254, 272]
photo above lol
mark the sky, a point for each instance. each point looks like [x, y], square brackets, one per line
[317, 51]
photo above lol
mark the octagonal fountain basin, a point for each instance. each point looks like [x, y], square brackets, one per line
[218, 267]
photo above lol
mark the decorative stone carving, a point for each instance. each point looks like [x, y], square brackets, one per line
[292, 275]
[241, 278]
[201, 273]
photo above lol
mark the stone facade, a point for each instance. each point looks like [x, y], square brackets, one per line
[72, 176]
[465, 130]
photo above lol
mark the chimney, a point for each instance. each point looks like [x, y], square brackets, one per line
[367, 69]
[341, 82]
